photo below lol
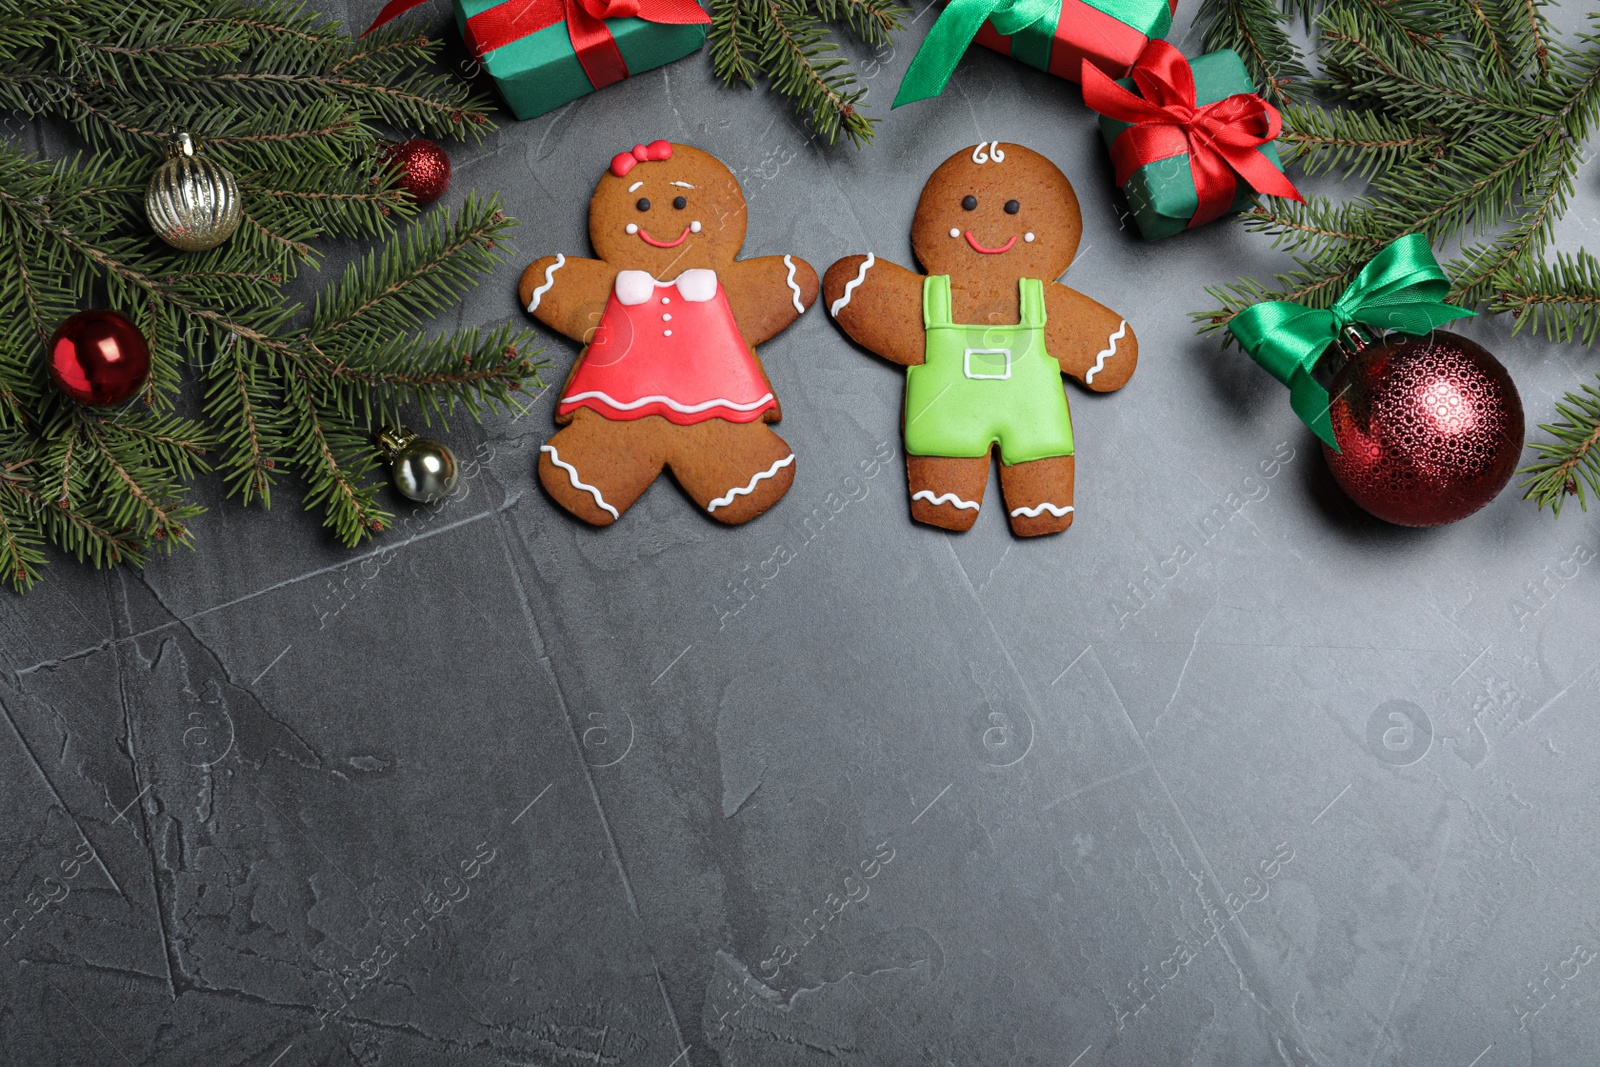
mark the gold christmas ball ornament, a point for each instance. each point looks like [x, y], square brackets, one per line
[423, 469]
[192, 202]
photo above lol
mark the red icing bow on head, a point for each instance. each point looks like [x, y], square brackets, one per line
[623, 162]
[1221, 138]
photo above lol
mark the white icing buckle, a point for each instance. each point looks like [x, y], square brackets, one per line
[966, 366]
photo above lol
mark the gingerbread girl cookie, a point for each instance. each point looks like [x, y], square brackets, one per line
[669, 377]
[986, 335]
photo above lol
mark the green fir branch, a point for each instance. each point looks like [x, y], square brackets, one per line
[870, 20]
[788, 43]
[1357, 144]
[297, 110]
[399, 287]
[21, 542]
[1560, 300]
[1569, 465]
[338, 459]
[253, 437]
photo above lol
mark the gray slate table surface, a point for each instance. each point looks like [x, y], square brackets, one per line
[1228, 775]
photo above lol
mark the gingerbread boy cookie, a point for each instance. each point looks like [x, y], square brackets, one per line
[986, 335]
[669, 377]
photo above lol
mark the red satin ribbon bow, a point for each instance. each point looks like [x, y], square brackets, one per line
[585, 19]
[623, 162]
[1221, 138]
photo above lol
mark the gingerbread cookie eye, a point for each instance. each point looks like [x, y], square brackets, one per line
[969, 203]
[680, 202]
[1012, 207]
[643, 204]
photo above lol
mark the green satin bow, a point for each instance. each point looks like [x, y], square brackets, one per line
[1402, 289]
[954, 30]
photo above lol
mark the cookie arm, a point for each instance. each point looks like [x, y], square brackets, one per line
[769, 293]
[1094, 345]
[879, 304]
[566, 293]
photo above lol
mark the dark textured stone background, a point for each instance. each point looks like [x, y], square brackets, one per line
[279, 751]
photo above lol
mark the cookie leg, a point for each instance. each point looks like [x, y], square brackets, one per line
[946, 492]
[1038, 495]
[596, 468]
[734, 470]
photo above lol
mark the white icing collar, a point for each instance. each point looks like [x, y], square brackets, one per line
[696, 285]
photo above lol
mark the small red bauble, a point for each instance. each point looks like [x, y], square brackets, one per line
[99, 357]
[424, 168]
[1430, 428]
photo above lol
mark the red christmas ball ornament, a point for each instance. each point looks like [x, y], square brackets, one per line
[99, 357]
[1429, 428]
[424, 168]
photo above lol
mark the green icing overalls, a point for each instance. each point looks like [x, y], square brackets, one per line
[979, 385]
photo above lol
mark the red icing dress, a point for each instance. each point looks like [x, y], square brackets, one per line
[671, 349]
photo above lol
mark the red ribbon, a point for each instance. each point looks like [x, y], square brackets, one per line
[655, 151]
[591, 39]
[1221, 139]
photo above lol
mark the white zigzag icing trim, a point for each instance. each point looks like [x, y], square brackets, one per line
[745, 490]
[850, 286]
[1100, 360]
[1033, 512]
[945, 498]
[572, 475]
[800, 309]
[686, 409]
[549, 280]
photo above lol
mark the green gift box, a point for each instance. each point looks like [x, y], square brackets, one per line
[1058, 36]
[546, 53]
[1108, 33]
[1162, 191]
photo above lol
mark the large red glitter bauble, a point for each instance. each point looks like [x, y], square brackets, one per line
[424, 168]
[99, 357]
[1430, 428]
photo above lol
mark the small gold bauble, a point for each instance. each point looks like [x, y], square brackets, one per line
[192, 202]
[423, 469]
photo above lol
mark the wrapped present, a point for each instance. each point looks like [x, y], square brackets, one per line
[1058, 36]
[546, 53]
[1193, 143]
